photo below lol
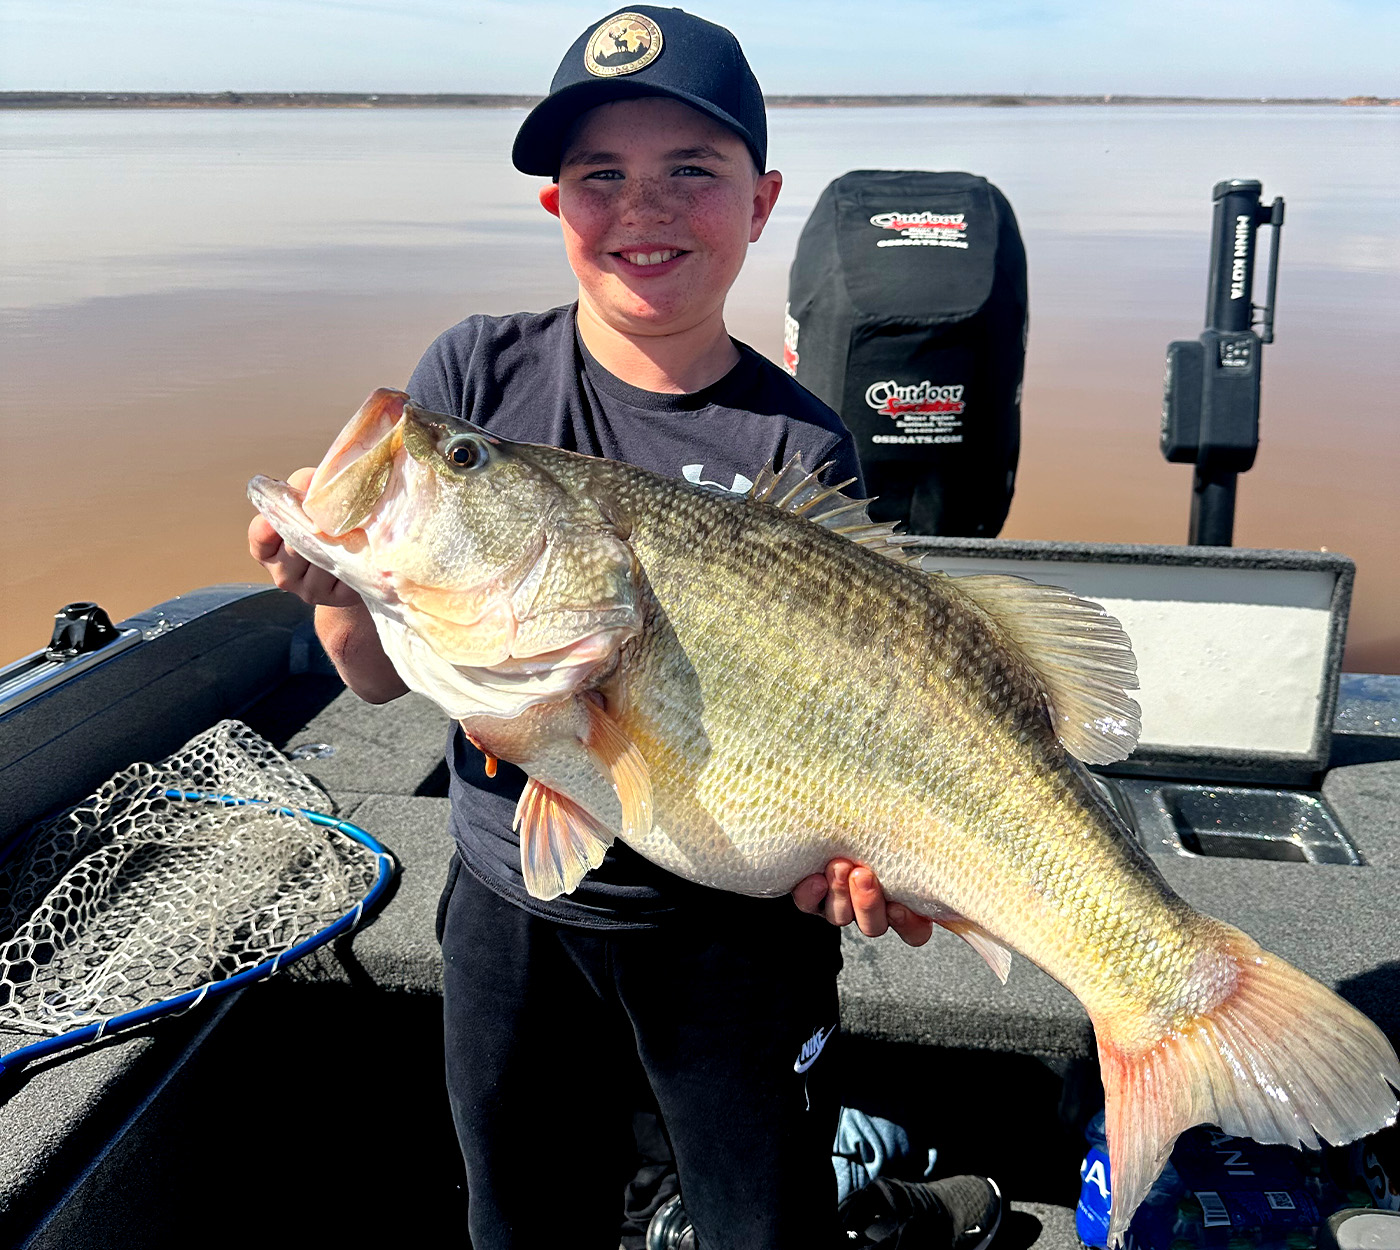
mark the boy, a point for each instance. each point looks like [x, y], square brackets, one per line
[562, 1017]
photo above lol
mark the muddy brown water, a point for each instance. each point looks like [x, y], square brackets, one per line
[192, 298]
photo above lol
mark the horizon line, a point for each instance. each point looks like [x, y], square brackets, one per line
[229, 98]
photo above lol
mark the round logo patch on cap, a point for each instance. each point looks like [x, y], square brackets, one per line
[622, 45]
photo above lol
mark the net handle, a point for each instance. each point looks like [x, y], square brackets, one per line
[214, 989]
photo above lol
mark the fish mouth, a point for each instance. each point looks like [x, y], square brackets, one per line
[282, 505]
[351, 478]
[322, 524]
[354, 474]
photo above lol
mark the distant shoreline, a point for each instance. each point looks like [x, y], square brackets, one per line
[353, 99]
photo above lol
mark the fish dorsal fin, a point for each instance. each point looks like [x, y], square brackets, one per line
[794, 490]
[1080, 653]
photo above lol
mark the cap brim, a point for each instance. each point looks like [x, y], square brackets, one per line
[539, 144]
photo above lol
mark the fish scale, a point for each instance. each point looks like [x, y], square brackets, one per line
[744, 689]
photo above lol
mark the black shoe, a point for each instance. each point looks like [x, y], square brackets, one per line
[670, 1227]
[956, 1213]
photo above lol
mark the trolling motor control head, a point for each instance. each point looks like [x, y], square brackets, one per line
[1210, 406]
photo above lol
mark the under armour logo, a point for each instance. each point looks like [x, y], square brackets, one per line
[692, 472]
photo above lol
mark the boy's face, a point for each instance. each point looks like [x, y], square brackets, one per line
[659, 204]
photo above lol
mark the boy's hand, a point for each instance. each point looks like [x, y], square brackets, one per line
[290, 571]
[849, 891]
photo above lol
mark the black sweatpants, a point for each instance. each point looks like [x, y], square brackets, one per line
[550, 1030]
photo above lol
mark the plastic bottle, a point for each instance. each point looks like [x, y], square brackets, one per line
[1095, 1191]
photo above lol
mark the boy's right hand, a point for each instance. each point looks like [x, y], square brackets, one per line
[292, 572]
[850, 891]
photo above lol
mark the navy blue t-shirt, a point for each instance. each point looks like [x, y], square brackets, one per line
[529, 378]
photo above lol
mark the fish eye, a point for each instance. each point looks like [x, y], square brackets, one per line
[465, 452]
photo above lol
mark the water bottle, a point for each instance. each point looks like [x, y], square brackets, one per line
[1091, 1212]
[1096, 1190]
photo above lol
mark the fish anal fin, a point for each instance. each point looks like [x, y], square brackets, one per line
[559, 841]
[1279, 1058]
[1081, 655]
[618, 758]
[793, 489]
[997, 956]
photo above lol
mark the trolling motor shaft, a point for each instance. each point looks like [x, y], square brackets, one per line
[1210, 408]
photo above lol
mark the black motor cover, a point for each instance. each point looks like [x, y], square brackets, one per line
[907, 315]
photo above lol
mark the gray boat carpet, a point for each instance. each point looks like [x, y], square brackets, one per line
[936, 1018]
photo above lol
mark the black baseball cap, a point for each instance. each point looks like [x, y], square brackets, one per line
[645, 51]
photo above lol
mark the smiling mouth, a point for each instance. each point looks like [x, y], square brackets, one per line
[658, 257]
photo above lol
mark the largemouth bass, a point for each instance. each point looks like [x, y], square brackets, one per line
[744, 688]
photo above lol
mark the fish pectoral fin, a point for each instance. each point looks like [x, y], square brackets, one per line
[997, 956]
[618, 759]
[1081, 655]
[559, 841]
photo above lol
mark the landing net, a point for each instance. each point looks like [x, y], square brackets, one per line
[174, 880]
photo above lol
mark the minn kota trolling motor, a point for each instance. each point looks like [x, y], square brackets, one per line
[1210, 409]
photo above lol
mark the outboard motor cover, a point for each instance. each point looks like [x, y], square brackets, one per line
[907, 315]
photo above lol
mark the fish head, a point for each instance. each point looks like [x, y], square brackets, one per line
[467, 540]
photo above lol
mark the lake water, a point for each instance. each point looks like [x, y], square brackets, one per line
[190, 298]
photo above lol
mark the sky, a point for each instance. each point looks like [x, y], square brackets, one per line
[1170, 47]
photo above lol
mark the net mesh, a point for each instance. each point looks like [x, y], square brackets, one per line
[132, 897]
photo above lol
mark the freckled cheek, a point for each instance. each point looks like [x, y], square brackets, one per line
[579, 250]
[587, 220]
[721, 221]
[724, 246]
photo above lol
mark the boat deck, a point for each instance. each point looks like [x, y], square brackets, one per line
[323, 1085]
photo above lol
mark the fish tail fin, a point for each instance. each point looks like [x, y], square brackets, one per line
[1279, 1058]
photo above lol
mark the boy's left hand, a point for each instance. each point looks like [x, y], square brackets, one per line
[849, 891]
